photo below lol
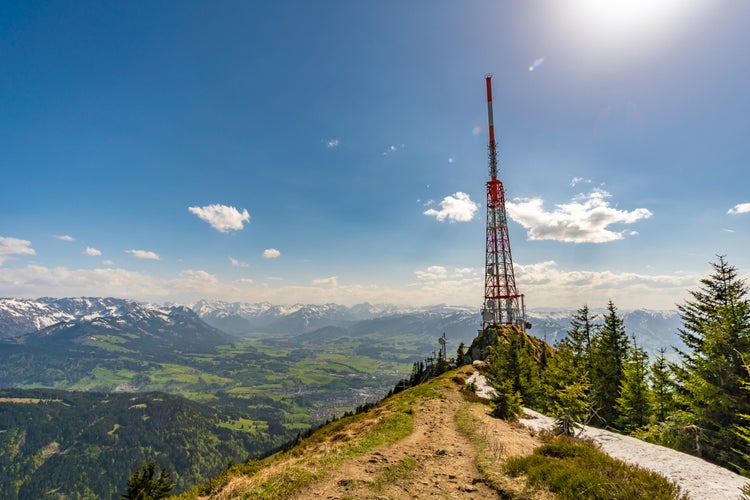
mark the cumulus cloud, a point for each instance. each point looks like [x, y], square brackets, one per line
[546, 283]
[585, 219]
[64, 237]
[455, 208]
[196, 279]
[237, 263]
[223, 218]
[271, 253]
[143, 254]
[332, 281]
[333, 143]
[14, 246]
[93, 252]
[741, 208]
[432, 273]
[462, 271]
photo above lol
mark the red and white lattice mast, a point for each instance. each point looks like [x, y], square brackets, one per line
[502, 302]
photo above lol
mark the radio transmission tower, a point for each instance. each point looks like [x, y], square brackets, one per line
[502, 302]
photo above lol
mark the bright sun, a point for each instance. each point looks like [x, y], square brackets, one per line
[612, 23]
[627, 14]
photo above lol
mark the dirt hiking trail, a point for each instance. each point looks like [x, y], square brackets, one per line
[437, 461]
[443, 460]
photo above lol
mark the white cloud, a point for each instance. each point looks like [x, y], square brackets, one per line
[92, 252]
[332, 281]
[271, 253]
[333, 143]
[461, 271]
[584, 220]
[432, 273]
[37, 281]
[223, 218]
[108, 262]
[544, 284]
[237, 263]
[143, 254]
[198, 280]
[14, 246]
[455, 208]
[64, 237]
[578, 180]
[741, 208]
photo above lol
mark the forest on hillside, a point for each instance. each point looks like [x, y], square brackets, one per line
[85, 445]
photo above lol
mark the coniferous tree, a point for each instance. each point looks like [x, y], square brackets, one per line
[609, 351]
[460, 353]
[580, 334]
[662, 387]
[716, 329]
[566, 378]
[634, 403]
[507, 402]
[145, 484]
[512, 360]
[743, 432]
[566, 389]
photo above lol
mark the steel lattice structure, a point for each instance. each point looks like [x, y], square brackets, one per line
[502, 302]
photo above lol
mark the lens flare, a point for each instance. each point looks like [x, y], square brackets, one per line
[537, 62]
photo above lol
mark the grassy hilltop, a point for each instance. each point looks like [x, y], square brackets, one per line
[433, 439]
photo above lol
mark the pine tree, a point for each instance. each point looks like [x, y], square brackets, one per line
[460, 354]
[716, 329]
[566, 389]
[145, 484]
[609, 351]
[512, 368]
[506, 403]
[582, 331]
[662, 387]
[743, 432]
[634, 403]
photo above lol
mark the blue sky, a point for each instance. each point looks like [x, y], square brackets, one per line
[336, 151]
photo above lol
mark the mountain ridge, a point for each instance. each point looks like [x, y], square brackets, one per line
[652, 328]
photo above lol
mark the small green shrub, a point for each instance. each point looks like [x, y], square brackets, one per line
[575, 469]
[507, 403]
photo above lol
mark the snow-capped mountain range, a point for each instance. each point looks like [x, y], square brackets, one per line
[20, 316]
[653, 329]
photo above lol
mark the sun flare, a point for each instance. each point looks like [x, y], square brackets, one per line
[610, 23]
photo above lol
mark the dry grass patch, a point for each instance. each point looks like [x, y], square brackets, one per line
[285, 474]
